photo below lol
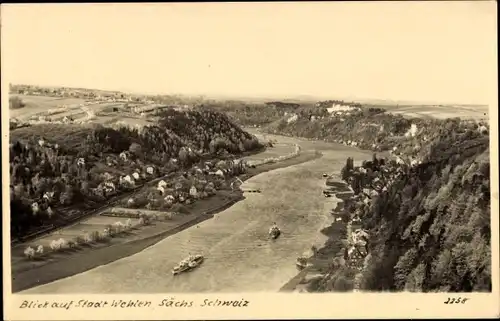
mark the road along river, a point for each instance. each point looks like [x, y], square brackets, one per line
[239, 256]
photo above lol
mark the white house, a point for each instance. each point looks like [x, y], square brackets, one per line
[109, 187]
[219, 173]
[162, 183]
[39, 249]
[80, 161]
[400, 161]
[292, 119]
[48, 196]
[169, 199]
[50, 212]
[193, 191]
[35, 208]
[150, 170]
[136, 175]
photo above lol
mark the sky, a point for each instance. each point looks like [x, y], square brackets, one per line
[419, 51]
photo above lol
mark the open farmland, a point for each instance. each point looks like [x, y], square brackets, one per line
[58, 108]
[41, 104]
[277, 150]
[440, 111]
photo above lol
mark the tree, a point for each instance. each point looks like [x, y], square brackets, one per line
[135, 149]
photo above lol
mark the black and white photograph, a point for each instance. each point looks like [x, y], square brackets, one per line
[272, 147]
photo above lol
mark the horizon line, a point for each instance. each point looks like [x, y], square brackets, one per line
[262, 96]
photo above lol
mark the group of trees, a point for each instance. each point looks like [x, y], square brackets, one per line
[56, 166]
[429, 224]
[15, 102]
[250, 114]
[372, 128]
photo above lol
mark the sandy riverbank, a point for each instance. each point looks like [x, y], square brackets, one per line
[321, 256]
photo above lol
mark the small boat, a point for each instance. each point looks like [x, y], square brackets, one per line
[188, 264]
[274, 233]
[301, 262]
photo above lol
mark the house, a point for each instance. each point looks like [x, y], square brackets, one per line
[41, 142]
[219, 173]
[161, 189]
[162, 183]
[193, 191]
[107, 176]
[39, 249]
[136, 175]
[293, 119]
[124, 156]
[80, 162]
[360, 236]
[127, 180]
[48, 196]
[109, 187]
[169, 199]
[178, 185]
[150, 170]
[35, 207]
[50, 212]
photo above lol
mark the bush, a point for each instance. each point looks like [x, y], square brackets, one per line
[29, 252]
[179, 208]
[16, 103]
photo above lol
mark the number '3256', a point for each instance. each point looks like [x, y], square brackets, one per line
[456, 300]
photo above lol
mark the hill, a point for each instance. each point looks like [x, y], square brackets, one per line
[58, 168]
[418, 222]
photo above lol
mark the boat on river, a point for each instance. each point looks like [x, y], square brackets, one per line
[188, 264]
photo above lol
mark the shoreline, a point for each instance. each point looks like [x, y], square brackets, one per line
[92, 258]
[321, 259]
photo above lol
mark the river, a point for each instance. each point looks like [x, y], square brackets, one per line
[239, 256]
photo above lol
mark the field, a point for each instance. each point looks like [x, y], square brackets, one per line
[58, 108]
[41, 104]
[440, 111]
[272, 152]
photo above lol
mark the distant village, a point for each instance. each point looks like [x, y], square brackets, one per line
[97, 96]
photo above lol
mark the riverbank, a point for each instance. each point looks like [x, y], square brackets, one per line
[322, 260]
[128, 244]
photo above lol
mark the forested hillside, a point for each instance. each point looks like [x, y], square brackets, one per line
[253, 114]
[428, 225]
[55, 167]
[426, 212]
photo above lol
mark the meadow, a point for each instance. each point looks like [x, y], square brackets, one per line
[40, 104]
[440, 111]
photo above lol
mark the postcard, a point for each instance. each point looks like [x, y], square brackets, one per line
[268, 160]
